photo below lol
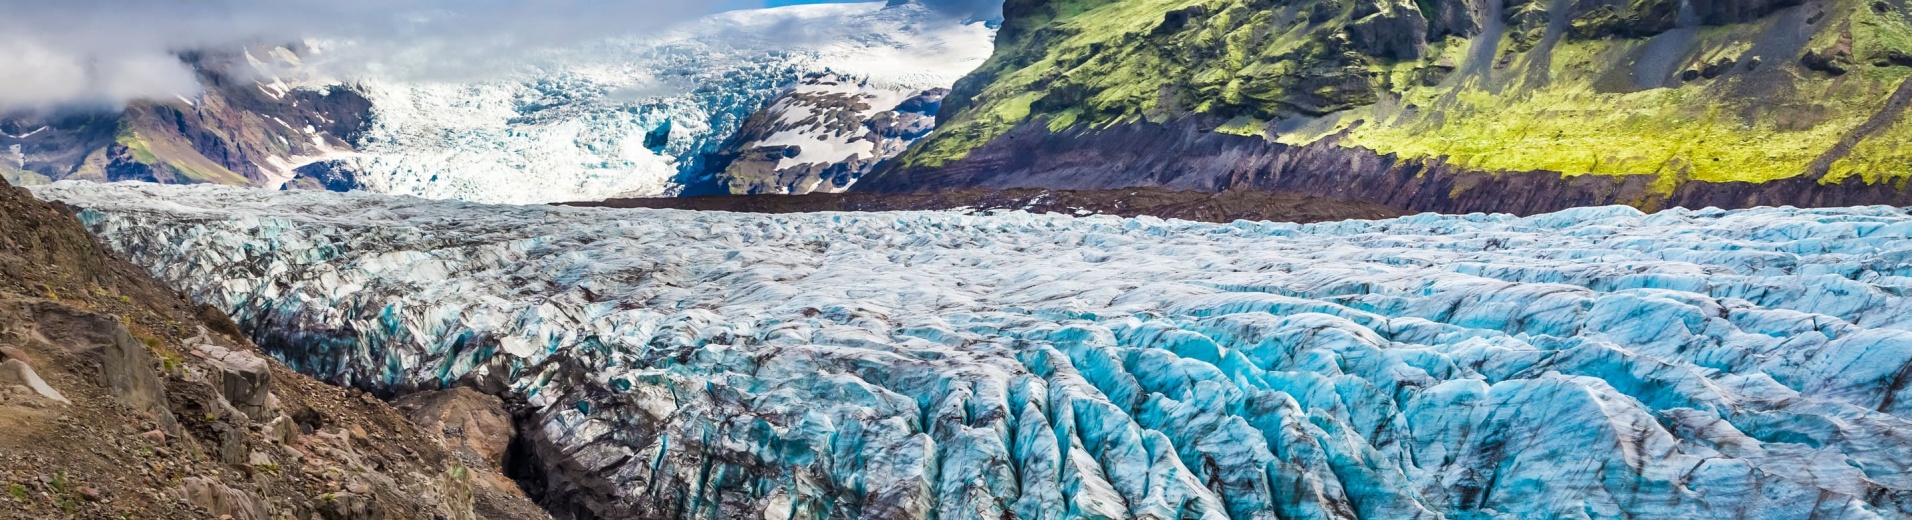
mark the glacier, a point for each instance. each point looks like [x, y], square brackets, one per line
[1591, 363]
[573, 124]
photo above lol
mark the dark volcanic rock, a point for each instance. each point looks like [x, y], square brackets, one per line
[1388, 29]
[1454, 18]
[1181, 156]
[1226, 206]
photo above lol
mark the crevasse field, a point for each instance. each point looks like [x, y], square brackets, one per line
[1595, 363]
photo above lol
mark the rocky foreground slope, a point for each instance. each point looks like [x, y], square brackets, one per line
[121, 399]
[1593, 363]
[1521, 106]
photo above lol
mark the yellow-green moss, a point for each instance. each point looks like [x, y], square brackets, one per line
[192, 168]
[1244, 126]
[1886, 157]
[1573, 130]
[1105, 62]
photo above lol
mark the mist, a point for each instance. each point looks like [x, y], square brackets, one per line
[104, 53]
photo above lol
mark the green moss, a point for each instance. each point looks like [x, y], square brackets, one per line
[1876, 36]
[1570, 107]
[1107, 62]
[1703, 130]
[141, 152]
[192, 168]
[1244, 126]
[1576, 131]
[1064, 120]
[1880, 159]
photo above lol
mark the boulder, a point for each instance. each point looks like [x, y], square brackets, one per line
[126, 366]
[1388, 29]
[221, 501]
[1835, 60]
[348, 506]
[18, 373]
[1454, 18]
[472, 422]
[244, 378]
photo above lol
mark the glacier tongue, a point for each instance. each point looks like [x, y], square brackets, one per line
[575, 125]
[1593, 363]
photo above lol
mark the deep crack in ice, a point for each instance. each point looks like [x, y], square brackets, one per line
[1596, 362]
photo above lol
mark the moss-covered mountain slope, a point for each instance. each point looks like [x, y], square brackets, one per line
[1650, 94]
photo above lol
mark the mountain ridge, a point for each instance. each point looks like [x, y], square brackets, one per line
[1649, 103]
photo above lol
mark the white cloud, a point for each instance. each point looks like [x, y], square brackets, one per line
[61, 53]
[106, 52]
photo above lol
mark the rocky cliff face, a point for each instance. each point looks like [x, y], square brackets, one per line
[248, 127]
[1458, 102]
[120, 399]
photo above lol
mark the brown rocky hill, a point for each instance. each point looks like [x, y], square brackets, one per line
[121, 399]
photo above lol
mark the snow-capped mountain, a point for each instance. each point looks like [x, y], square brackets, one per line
[636, 116]
[822, 135]
[1592, 363]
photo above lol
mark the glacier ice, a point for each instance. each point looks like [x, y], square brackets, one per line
[573, 127]
[1592, 363]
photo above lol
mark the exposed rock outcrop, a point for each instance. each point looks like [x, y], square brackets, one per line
[243, 378]
[1388, 29]
[477, 427]
[1460, 18]
[17, 373]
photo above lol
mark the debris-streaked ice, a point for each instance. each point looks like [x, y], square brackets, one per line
[1593, 363]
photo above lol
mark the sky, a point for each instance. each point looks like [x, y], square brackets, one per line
[76, 53]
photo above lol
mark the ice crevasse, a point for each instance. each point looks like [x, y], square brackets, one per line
[1593, 363]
